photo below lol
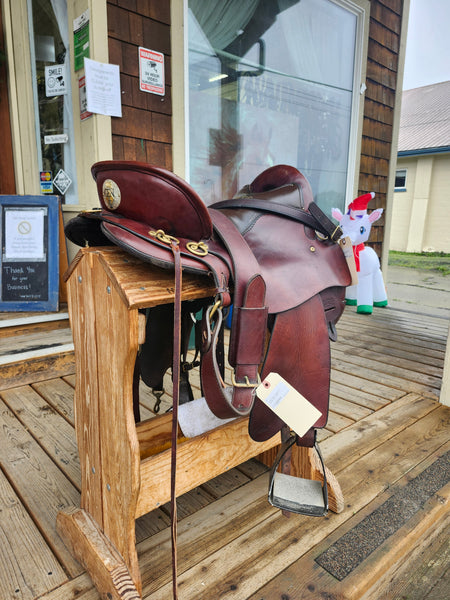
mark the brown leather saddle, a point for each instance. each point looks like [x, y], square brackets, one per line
[273, 256]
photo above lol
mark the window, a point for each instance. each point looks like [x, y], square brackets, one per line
[49, 44]
[272, 82]
[400, 180]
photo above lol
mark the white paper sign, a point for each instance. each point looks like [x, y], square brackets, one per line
[55, 80]
[151, 71]
[24, 234]
[60, 138]
[102, 88]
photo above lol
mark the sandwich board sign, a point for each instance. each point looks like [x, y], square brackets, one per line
[29, 260]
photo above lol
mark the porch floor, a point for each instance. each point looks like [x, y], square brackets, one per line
[387, 441]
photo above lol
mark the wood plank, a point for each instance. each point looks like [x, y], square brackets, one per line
[344, 376]
[380, 369]
[44, 489]
[197, 462]
[11, 327]
[38, 369]
[305, 576]
[28, 568]
[54, 434]
[240, 567]
[98, 555]
[367, 434]
[34, 341]
[348, 409]
[397, 350]
[116, 344]
[59, 395]
[394, 333]
[380, 377]
[80, 587]
[425, 575]
[336, 422]
[354, 395]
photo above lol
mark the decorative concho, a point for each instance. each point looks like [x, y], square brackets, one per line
[111, 194]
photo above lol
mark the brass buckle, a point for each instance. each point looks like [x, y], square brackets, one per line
[163, 237]
[246, 383]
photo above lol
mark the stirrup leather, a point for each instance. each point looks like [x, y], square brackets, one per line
[296, 494]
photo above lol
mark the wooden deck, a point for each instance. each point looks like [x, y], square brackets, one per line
[387, 441]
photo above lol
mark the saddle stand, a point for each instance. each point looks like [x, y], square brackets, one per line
[271, 253]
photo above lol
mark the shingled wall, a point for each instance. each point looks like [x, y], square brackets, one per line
[144, 132]
[381, 80]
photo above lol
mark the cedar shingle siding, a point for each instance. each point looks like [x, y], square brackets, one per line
[144, 132]
[381, 81]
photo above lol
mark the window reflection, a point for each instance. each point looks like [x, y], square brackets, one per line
[270, 82]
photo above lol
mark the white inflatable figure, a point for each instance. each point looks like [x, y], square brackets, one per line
[370, 290]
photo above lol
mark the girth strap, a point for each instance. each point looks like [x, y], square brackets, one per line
[248, 328]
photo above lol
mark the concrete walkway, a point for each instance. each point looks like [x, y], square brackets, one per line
[414, 290]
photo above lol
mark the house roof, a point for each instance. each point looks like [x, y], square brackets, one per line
[425, 118]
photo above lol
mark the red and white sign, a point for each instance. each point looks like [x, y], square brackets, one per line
[151, 71]
[84, 113]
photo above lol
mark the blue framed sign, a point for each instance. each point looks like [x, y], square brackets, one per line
[29, 274]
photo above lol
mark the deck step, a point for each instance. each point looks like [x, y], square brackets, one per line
[34, 347]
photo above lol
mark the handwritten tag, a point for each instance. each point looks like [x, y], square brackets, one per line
[288, 404]
[347, 249]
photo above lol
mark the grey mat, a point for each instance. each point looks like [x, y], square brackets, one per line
[357, 544]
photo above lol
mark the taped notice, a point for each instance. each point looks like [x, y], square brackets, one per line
[288, 404]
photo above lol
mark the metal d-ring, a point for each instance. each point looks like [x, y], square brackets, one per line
[197, 248]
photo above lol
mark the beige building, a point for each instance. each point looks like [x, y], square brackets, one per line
[422, 183]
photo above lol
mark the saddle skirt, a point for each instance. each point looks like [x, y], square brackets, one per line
[273, 256]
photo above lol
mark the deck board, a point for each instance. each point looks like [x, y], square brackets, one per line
[385, 426]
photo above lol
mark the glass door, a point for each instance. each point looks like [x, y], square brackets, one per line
[49, 43]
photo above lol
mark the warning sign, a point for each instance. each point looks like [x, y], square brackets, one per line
[151, 71]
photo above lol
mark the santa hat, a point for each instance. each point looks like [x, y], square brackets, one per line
[361, 202]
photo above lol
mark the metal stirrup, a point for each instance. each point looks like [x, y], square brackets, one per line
[296, 494]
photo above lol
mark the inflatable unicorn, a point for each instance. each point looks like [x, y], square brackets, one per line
[370, 290]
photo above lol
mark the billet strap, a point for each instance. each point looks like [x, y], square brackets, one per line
[176, 391]
[248, 328]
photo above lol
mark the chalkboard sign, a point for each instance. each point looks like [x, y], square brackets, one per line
[29, 274]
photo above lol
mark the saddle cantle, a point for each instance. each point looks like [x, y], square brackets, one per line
[273, 256]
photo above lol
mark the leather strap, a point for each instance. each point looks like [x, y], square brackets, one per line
[176, 390]
[315, 218]
[334, 231]
[248, 328]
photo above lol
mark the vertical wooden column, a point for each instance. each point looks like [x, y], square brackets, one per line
[106, 340]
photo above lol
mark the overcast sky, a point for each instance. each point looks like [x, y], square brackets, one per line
[427, 58]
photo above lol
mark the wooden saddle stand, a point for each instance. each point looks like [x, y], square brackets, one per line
[272, 255]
